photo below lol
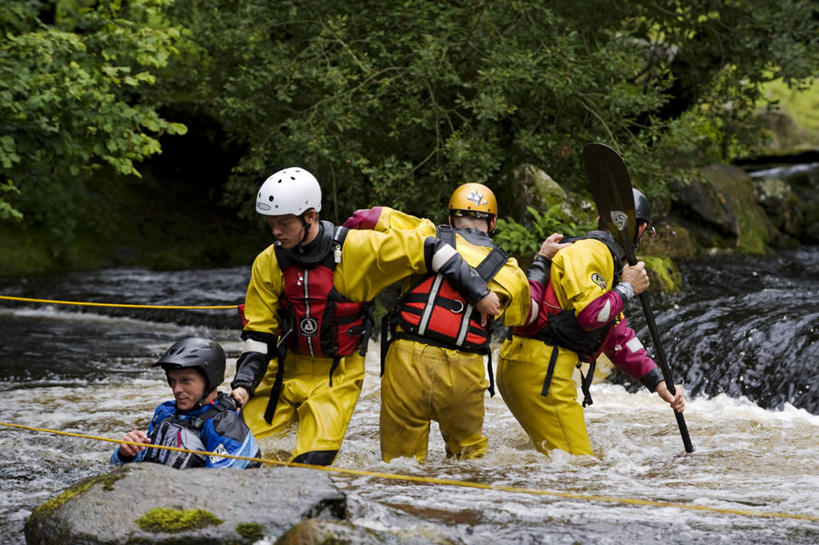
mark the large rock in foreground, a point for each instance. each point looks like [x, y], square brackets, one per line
[151, 503]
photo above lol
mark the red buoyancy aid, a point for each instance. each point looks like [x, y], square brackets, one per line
[432, 310]
[316, 319]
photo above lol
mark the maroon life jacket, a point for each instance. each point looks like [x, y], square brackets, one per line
[316, 319]
[559, 327]
[432, 311]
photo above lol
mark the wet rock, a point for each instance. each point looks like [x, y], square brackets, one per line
[528, 185]
[718, 205]
[333, 532]
[151, 503]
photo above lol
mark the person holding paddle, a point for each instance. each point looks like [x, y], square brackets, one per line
[581, 292]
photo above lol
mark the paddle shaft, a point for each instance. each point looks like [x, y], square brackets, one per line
[610, 185]
[669, 380]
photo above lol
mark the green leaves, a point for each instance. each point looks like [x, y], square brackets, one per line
[70, 101]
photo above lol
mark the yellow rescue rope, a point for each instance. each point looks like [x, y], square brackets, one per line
[115, 305]
[446, 482]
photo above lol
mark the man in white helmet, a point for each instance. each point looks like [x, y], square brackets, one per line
[307, 308]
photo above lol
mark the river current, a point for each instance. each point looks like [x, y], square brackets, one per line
[743, 338]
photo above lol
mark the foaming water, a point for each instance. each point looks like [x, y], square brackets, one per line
[90, 372]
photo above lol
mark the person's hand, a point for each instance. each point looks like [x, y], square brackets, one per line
[636, 276]
[136, 436]
[489, 305]
[551, 245]
[676, 401]
[241, 395]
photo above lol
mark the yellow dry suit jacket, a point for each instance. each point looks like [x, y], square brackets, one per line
[370, 261]
[509, 283]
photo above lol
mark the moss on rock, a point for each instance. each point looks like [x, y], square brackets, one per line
[165, 519]
[661, 270]
[250, 530]
[107, 481]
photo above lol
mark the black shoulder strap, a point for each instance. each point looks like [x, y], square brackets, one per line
[492, 263]
[447, 234]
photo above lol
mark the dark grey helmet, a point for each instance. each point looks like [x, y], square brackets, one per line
[204, 355]
[642, 208]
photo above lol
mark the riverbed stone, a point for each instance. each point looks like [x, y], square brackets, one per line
[152, 504]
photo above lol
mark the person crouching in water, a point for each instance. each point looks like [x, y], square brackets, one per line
[200, 418]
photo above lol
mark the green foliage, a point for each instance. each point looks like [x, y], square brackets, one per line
[71, 104]
[387, 103]
[398, 103]
[520, 240]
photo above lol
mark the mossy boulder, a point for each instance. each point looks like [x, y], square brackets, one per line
[717, 205]
[152, 504]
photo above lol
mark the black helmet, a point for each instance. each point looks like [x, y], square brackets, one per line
[641, 207]
[204, 355]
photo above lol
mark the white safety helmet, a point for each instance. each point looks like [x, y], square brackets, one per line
[289, 191]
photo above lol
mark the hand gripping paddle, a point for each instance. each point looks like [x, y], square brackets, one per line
[610, 185]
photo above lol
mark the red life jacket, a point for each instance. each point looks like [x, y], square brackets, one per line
[316, 319]
[432, 311]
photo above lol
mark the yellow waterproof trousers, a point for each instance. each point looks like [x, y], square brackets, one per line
[553, 421]
[422, 383]
[322, 411]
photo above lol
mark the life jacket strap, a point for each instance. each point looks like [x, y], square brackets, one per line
[278, 383]
[549, 372]
[585, 383]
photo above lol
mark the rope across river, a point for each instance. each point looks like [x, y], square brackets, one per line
[383, 475]
[446, 482]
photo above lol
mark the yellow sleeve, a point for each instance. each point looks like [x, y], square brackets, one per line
[509, 283]
[395, 219]
[371, 261]
[512, 287]
[262, 298]
[581, 273]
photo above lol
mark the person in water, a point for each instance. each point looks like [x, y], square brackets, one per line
[200, 418]
[433, 344]
[581, 294]
[307, 309]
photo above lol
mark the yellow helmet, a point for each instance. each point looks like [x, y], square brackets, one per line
[473, 200]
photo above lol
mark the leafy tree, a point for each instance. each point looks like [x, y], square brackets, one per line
[72, 118]
[396, 103]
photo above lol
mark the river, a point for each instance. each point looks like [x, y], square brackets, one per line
[745, 343]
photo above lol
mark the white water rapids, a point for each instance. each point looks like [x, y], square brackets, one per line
[747, 458]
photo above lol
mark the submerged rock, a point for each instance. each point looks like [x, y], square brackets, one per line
[151, 503]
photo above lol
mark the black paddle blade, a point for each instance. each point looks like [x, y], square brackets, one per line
[610, 186]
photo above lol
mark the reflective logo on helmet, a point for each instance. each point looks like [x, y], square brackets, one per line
[476, 197]
[599, 280]
[308, 326]
[619, 218]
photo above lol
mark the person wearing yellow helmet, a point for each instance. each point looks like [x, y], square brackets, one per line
[306, 308]
[433, 343]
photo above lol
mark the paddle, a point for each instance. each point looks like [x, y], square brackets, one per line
[610, 185]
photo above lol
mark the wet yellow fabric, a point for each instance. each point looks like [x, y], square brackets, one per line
[573, 269]
[370, 262]
[322, 412]
[422, 383]
[554, 421]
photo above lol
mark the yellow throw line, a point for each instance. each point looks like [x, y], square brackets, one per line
[115, 305]
[446, 482]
